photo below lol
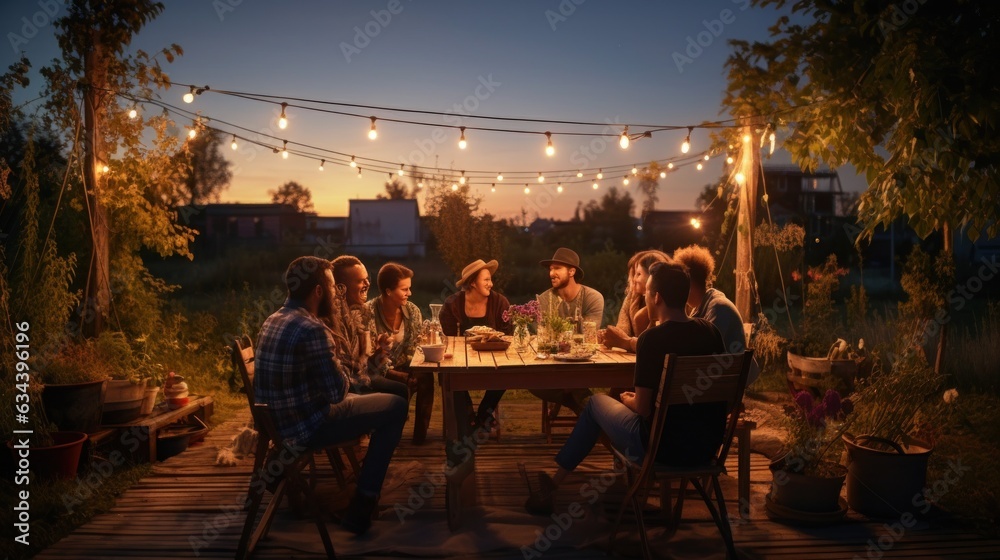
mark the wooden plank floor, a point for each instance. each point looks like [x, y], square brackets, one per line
[188, 507]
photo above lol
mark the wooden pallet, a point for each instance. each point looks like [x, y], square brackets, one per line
[138, 438]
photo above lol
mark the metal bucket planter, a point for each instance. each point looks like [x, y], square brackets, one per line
[885, 483]
[75, 407]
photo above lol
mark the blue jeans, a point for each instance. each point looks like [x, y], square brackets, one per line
[603, 414]
[381, 384]
[380, 414]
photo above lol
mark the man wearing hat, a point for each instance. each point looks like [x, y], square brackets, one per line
[477, 305]
[570, 299]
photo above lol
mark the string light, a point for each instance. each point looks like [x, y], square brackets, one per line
[600, 174]
[234, 145]
[461, 180]
[499, 177]
[623, 140]
[541, 178]
[282, 120]
[526, 189]
[550, 150]
[133, 113]
[746, 139]
[625, 180]
[663, 174]
[454, 187]
[321, 163]
[284, 150]
[189, 96]
[699, 166]
[635, 170]
[372, 134]
[686, 146]
[493, 187]
[695, 223]
[594, 186]
[420, 184]
[729, 160]
[579, 174]
[192, 133]
[105, 168]
[461, 141]
[670, 165]
[401, 172]
[771, 138]
[353, 163]
[559, 188]
[740, 178]
[359, 173]
[706, 157]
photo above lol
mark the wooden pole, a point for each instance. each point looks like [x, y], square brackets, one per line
[745, 222]
[97, 299]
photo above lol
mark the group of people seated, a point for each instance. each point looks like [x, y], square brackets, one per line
[333, 365]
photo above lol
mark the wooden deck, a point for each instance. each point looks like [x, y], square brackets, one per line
[188, 507]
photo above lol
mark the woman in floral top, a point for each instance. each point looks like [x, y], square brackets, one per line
[393, 314]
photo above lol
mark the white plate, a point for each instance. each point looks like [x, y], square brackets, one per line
[570, 358]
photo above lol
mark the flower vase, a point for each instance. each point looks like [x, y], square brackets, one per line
[521, 337]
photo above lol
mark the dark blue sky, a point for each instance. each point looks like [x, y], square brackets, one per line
[585, 60]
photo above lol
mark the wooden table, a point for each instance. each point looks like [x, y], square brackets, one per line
[469, 369]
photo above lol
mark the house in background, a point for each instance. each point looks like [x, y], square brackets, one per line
[669, 229]
[388, 228]
[227, 225]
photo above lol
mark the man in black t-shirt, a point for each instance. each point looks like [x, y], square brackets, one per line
[693, 432]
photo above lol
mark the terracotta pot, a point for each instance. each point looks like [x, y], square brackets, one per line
[807, 493]
[885, 483]
[59, 460]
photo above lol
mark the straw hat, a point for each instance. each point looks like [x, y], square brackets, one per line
[473, 268]
[566, 257]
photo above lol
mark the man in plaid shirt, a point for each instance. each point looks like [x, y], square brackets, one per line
[299, 378]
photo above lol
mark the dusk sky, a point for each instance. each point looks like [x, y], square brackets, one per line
[569, 60]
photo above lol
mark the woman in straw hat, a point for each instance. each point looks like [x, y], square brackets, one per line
[477, 305]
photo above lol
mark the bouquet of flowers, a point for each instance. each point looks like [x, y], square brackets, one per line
[522, 315]
[815, 427]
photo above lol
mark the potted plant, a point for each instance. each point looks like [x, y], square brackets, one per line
[53, 453]
[887, 464]
[74, 381]
[808, 479]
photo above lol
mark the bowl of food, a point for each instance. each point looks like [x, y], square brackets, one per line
[433, 352]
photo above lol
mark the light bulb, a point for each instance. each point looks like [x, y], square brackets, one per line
[321, 163]
[499, 177]
[527, 190]
[234, 145]
[579, 174]
[746, 139]
[420, 184]
[550, 150]
[493, 187]
[541, 178]
[729, 160]
[663, 174]
[372, 134]
[670, 165]
[132, 113]
[359, 173]
[686, 146]
[771, 139]
[105, 168]
[600, 174]
[461, 141]
[189, 96]
[284, 150]
[740, 178]
[623, 140]
[454, 187]
[353, 163]
[625, 181]
[594, 186]
[559, 188]
[282, 121]
[401, 171]
[699, 166]
[635, 170]
[461, 180]
[695, 223]
[192, 133]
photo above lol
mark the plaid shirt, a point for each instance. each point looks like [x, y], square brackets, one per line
[297, 374]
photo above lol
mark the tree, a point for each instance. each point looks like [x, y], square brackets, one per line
[462, 231]
[294, 194]
[204, 172]
[904, 96]
[132, 192]
[396, 190]
[648, 184]
[611, 222]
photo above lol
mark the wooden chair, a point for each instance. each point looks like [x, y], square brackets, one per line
[280, 472]
[688, 380]
[243, 359]
[552, 419]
